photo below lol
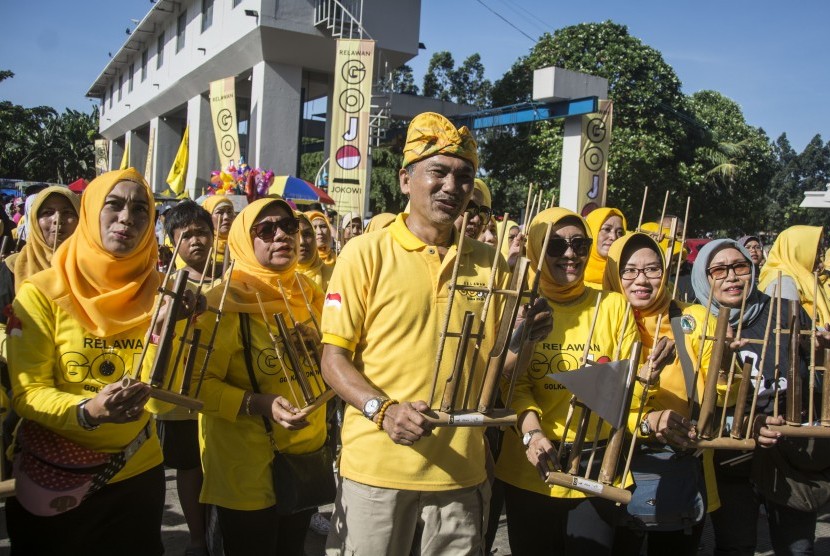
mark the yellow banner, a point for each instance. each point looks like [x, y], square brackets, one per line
[349, 141]
[148, 165]
[593, 162]
[177, 176]
[223, 113]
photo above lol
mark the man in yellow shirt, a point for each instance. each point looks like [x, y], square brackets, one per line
[404, 483]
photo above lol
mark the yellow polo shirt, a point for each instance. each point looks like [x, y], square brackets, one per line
[387, 303]
[236, 451]
[54, 363]
[560, 351]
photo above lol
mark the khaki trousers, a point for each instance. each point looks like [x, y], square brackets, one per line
[370, 521]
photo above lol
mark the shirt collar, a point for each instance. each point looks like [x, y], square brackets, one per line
[411, 242]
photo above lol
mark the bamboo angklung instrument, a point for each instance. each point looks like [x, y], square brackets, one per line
[469, 393]
[161, 364]
[218, 311]
[308, 401]
[602, 486]
[312, 357]
[710, 389]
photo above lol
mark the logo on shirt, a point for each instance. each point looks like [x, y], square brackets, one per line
[333, 300]
[687, 324]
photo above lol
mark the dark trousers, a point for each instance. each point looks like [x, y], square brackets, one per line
[629, 542]
[263, 532]
[122, 518]
[538, 524]
[736, 521]
[792, 532]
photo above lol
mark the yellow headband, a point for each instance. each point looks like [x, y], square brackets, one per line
[430, 134]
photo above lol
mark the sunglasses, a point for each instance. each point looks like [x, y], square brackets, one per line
[721, 271]
[474, 210]
[267, 231]
[557, 246]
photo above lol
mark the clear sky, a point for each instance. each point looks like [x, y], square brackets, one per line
[769, 57]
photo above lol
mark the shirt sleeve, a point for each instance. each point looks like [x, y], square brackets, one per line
[219, 397]
[32, 364]
[344, 309]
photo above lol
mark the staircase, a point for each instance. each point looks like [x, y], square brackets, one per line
[342, 19]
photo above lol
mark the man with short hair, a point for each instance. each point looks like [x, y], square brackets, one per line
[407, 486]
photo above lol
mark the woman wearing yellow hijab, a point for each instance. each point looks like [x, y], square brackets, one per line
[606, 225]
[309, 262]
[222, 212]
[322, 233]
[796, 254]
[573, 522]
[636, 269]
[54, 218]
[78, 329]
[236, 451]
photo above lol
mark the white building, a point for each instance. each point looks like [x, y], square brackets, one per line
[281, 52]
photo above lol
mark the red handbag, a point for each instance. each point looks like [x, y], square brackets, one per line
[54, 474]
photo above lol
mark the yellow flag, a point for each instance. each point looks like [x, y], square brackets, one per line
[125, 160]
[178, 172]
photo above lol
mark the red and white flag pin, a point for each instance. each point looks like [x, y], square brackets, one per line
[333, 300]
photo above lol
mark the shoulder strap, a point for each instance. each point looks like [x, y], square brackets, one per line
[682, 353]
[245, 330]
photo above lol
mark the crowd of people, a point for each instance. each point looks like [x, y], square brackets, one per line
[87, 305]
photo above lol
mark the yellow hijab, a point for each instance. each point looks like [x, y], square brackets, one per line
[596, 262]
[105, 293]
[313, 268]
[557, 293]
[211, 204]
[794, 254]
[504, 228]
[647, 316]
[329, 257]
[36, 255]
[250, 277]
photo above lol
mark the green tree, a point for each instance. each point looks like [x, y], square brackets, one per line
[402, 81]
[439, 76]
[468, 85]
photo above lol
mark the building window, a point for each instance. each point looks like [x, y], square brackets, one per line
[130, 78]
[160, 50]
[144, 65]
[207, 14]
[181, 24]
[103, 103]
[120, 85]
[236, 3]
[111, 95]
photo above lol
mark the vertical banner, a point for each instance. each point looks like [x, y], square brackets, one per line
[593, 162]
[349, 141]
[223, 114]
[102, 156]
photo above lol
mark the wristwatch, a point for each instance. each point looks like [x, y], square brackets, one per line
[371, 407]
[645, 428]
[528, 436]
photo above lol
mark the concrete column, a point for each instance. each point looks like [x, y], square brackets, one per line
[116, 150]
[275, 122]
[168, 134]
[569, 179]
[138, 148]
[203, 158]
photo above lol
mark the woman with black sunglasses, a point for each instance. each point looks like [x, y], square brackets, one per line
[236, 449]
[790, 476]
[544, 519]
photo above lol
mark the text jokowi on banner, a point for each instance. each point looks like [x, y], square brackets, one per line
[593, 162]
[351, 106]
[223, 113]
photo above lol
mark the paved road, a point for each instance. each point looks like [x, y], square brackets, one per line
[175, 536]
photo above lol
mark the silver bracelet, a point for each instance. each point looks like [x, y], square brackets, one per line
[82, 420]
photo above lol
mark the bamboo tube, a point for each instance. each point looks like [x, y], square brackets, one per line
[793, 406]
[762, 361]
[642, 209]
[710, 392]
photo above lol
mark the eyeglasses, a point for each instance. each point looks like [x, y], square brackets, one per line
[753, 247]
[557, 246]
[267, 231]
[721, 271]
[474, 210]
[632, 273]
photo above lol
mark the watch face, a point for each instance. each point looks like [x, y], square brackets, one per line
[371, 406]
[526, 439]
